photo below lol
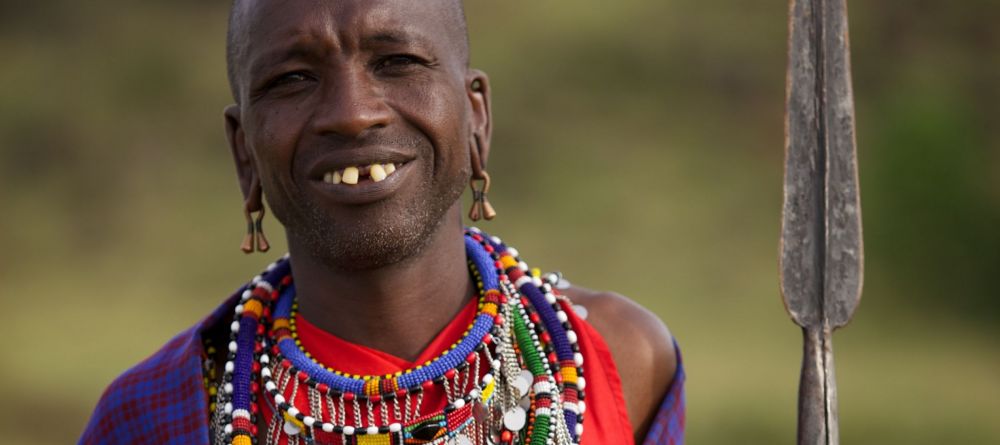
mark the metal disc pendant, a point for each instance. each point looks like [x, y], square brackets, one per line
[580, 311]
[292, 429]
[515, 419]
[523, 383]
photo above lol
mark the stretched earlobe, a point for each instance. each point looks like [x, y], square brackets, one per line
[481, 207]
[254, 240]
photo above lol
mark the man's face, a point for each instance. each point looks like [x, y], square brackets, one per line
[370, 92]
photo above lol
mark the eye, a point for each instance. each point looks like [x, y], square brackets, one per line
[399, 63]
[288, 78]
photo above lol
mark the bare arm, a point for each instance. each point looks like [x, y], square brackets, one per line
[641, 346]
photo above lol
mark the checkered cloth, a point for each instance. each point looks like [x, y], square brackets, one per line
[162, 400]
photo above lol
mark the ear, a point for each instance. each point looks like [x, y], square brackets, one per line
[477, 84]
[245, 170]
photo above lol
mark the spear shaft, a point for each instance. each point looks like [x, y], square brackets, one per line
[821, 245]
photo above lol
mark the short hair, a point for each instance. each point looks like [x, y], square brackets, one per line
[235, 41]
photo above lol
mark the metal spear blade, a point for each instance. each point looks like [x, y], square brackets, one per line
[821, 246]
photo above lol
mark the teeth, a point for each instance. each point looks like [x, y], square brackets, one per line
[350, 175]
[376, 172]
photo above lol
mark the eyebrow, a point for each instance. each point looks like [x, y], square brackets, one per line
[303, 49]
[393, 37]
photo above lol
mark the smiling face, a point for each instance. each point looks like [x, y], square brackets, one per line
[356, 119]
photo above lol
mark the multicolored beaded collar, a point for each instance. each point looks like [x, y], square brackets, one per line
[515, 377]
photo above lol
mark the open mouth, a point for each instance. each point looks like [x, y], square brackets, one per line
[354, 175]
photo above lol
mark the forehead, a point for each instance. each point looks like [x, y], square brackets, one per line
[345, 23]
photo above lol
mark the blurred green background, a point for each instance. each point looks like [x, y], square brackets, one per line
[638, 148]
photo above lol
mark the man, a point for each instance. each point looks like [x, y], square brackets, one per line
[361, 123]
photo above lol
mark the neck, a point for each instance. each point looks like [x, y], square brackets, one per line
[397, 309]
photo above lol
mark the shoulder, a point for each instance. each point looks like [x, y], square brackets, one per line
[641, 346]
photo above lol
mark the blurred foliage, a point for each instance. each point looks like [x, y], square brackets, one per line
[638, 147]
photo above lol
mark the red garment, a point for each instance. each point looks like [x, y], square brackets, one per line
[605, 420]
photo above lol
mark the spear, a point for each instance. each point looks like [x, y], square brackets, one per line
[821, 248]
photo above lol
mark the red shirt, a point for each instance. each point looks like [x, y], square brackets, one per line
[605, 420]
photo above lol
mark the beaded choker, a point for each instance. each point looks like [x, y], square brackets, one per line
[515, 377]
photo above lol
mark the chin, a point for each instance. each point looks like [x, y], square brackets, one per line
[373, 244]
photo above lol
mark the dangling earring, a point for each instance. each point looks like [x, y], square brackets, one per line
[481, 208]
[254, 239]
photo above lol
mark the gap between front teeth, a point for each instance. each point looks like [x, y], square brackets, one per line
[351, 175]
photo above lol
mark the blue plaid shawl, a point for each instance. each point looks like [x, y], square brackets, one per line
[162, 400]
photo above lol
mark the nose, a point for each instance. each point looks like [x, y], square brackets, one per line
[351, 104]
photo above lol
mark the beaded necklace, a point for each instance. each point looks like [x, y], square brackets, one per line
[515, 376]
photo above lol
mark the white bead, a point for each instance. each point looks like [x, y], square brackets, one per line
[265, 359]
[536, 281]
[581, 382]
[475, 230]
[238, 413]
[496, 240]
[550, 298]
[395, 427]
[235, 327]
[474, 394]
[458, 403]
[578, 358]
[228, 408]
[230, 367]
[328, 427]
[522, 281]
[579, 429]
[232, 346]
[270, 386]
[571, 407]
[265, 285]
[571, 335]
[309, 421]
[239, 309]
[293, 411]
[581, 406]
[228, 429]
[348, 430]
[561, 315]
[266, 372]
[271, 266]
[543, 387]
[523, 266]
[542, 411]
[246, 295]
[279, 399]
[372, 430]
[228, 388]
[487, 379]
[256, 279]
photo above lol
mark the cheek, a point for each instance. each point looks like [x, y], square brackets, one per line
[440, 113]
[272, 140]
